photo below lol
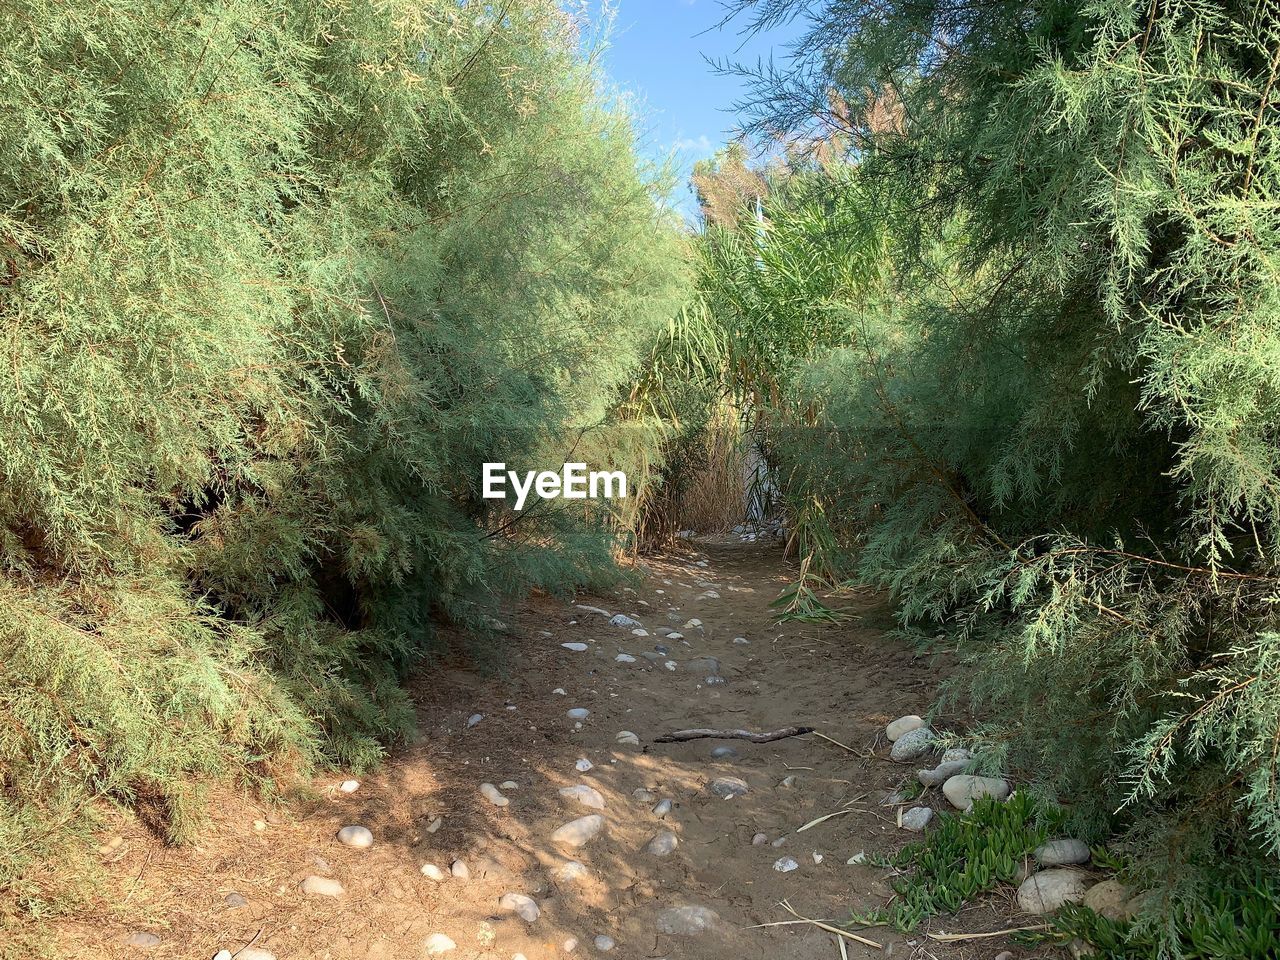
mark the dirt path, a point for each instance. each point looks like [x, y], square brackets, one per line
[847, 681]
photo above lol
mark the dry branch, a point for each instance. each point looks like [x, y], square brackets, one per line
[705, 733]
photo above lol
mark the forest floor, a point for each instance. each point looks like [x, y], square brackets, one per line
[846, 680]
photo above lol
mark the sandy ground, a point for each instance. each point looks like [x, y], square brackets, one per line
[847, 681]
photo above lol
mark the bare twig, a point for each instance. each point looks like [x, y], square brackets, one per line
[705, 733]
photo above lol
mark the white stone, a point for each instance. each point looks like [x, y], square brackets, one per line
[432, 872]
[522, 906]
[639, 632]
[575, 646]
[508, 785]
[741, 640]
[493, 795]
[583, 765]
[1060, 853]
[559, 692]
[349, 786]
[941, 773]
[460, 870]
[859, 857]
[622, 620]
[358, 837]
[571, 944]
[627, 737]
[903, 725]
[964, 788]
[1048, 890]
[759, 840]
[624, 658]
[728, 787]
[571, 872]
[437, 944]
[322, 887]
[817, 857]
[435, 824]
[474, 719]
[577, 833]
[583, 794]
[604, 944]
[687, 921]
[785, 864]
[578, 713]
[664, 844]
[662, 808]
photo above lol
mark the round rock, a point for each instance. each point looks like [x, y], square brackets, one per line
[322, 887]
[604, 944]
[1046, 891]
[664, 844]
[687, 921]
[432, 872]
[583, 794]
[577, 833]
[522, 906]
[1110, 898]
[1062, 853]
[912, 745]
[578, 713]
[917, 818]
[437, 944]
[493, 795]
[728, 787]
[965, 788]
[902, 725]
[354, 836]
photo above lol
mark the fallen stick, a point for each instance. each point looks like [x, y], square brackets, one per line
[705, 733]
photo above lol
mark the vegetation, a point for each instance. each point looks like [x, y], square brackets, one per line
[276, 278]
[1002, 311]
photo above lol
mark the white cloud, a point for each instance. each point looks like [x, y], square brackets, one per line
[701, 144]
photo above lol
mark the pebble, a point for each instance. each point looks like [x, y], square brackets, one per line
[692, 624]
[583, 765]
[435, 824]
[522, 906]
[354, 836]
[235, 901]
[964, 788]
[142, 940]
[559, 692]
[759, 840]
[624, 658]
[604, 944]
[459, 870]
[661, 648]
[785, 864]
[627, 737]
[687, 921]
[723, 753]
[432, 872]
[578, 713]
[728, 787]
[1004, 955]
[662, 808]
[640, 632]
[474, 719]
[912, 745]
[577, 833]
[859, 857]
[322, 887]
[571, 944]
[902, 725]
[779, 842]
[493, 795]
[956, 753]
[508, 785]
[674, 635]
[349, 786]
[1046, 891]
[575, 646]
[741, 640]
[789, 781]
[583, 606]
[571, 872]
[622, 620]
[585, 795]
[437, 944]
[644, 795]
[1059, 853]
[664, 844]
[917, 818]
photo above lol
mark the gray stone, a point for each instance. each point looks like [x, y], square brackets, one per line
[626, 738]
[522, 906]
[438, 943]
[604, 944]
[585, 795]
[728, 787]
[578, 713]
[664, 844]
[322, 887]
[1061, 853]
[644, 795]
[941, 773]
[662, 808]
[624, 658]
[912, 745]
[577, 833]
[493, 795]
[723, 753]
[956, 753]
[235, 901]
[575, 646]
[1048, 890]
[785, 864]
[964, 788]
[622, 620]
[354, 836]
[687, 921]
[759, 840]
[571, 872]
[709, 666]
[902, 725]
[917, 818]
[474, 719]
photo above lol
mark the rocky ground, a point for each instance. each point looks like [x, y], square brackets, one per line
[537, 817]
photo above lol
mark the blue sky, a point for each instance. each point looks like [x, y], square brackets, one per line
[656, 52]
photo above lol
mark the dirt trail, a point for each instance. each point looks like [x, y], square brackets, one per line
[847, 681]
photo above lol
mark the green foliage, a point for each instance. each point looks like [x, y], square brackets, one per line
[1011, 308]
[1238, 919]
[964, 856]
[276, 278]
